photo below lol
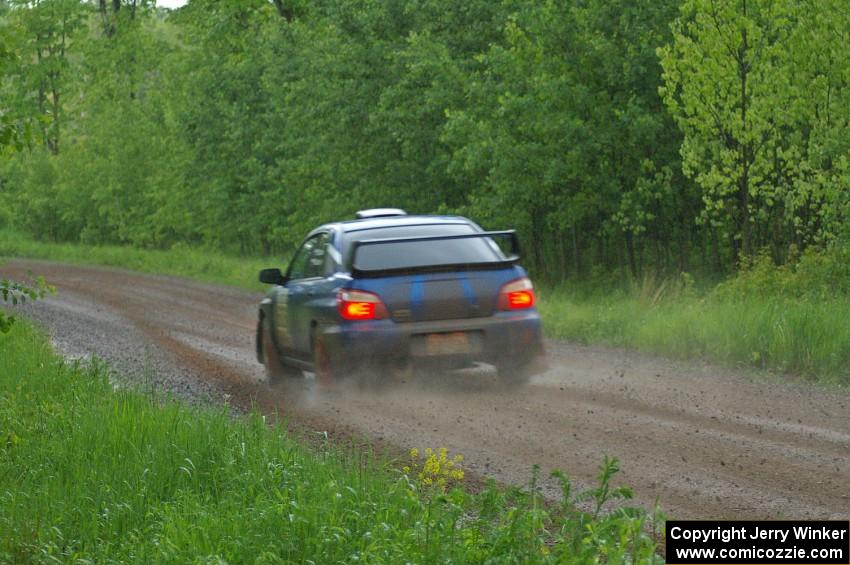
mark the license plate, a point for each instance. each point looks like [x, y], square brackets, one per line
[456, 343]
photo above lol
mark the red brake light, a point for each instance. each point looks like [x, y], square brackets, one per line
[517, 295]
[360, 305]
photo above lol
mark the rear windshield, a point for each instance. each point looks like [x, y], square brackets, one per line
[412, 254]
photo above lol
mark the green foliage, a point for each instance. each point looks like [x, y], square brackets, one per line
[759, 88]
[814, 276]
[614, 141]
[106, 475]
[13, 134]
[14, 293]
[45, 31]
[787, 318]
[566, 137]
[15, 130]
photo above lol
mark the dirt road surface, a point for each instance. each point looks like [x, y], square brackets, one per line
[704, 442]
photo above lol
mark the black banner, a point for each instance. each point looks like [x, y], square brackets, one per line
[694, 542]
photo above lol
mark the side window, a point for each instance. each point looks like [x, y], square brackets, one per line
[298, 266]
[311, 260]
[318, 261]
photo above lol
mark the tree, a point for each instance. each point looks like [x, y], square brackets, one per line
[564, 133]
[719, 58]
[14, 129]
[47, 28]
[818, 143]
[758, 89]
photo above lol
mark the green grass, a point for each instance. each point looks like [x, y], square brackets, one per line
[809, 337]
[182, 261]
[92, 474]
[783, 319]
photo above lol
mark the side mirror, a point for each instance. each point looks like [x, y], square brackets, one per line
[272, 276]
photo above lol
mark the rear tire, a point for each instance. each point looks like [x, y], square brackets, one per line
[327, 372]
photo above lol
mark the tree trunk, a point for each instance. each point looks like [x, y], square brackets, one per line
[715, 249]
[562, 258]
[284, 11]
[630, 247]
[53, 142]
[576, 261]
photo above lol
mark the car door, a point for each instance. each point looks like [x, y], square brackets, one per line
[283, 298]
[307, 292]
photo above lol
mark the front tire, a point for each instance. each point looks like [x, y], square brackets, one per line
[275, 369]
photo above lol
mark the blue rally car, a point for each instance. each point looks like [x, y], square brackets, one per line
[388, 289]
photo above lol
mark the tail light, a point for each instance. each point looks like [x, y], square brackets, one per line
[360, 305]
[517, 295]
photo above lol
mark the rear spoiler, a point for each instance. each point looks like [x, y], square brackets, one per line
[510, 260]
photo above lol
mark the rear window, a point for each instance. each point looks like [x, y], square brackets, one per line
[412, 254]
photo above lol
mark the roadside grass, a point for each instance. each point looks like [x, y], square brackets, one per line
[90, 473]
[180, 260]
[805, 337]
[786, 319]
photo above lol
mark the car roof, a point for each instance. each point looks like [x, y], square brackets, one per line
[396, 221]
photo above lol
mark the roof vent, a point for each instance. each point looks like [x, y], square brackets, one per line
[380, 213]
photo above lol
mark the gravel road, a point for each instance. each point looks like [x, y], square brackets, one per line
[703, 442]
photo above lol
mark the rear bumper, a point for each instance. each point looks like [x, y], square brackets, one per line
[503, 336]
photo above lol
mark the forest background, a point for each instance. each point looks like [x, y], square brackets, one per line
[661, 136]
